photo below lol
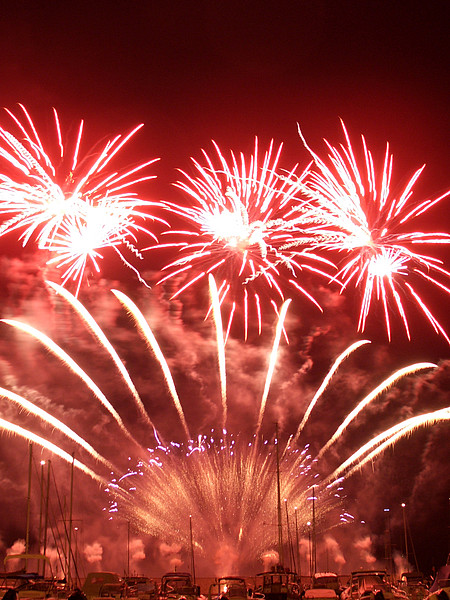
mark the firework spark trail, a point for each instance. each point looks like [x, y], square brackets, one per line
[371, 396]
[56, 423]
[73, 366]
[85, 315]
[382, 441]
[75, 210]
[225, 477]
[236, 229]
[272, 363]
[220, 346]
[210, 476]
[434, 322]
[149, 337]
[421, 421]
[218, 477]
[363, 221]
[32, 437]
[325, 383]
[80, 238]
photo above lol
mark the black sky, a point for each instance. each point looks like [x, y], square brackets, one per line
[192, 71]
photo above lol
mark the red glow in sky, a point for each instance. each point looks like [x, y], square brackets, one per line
[193, 72]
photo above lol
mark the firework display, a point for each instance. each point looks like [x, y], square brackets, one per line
[356, 214]
[237, 223]
[214, 473]
[72, 207]
[261, 239]
[257, 228]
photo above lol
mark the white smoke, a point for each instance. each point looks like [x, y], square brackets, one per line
[225, 560]
[93, 553]
[57, 568]
[402, 565]
[364, 546]
[18, 547]
[333, 547]
[137, 550]
[270, 559]
[305, 549]
[171, 554]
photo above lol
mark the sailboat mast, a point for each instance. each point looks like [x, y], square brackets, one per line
[27, 536]
[192, 548]
[69, 554]
[49, 466]
[289, 538]
[299, 568]
[279, 515]
[314, 555]
[41, 507]
[128, 548]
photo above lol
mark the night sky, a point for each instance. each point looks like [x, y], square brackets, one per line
[193, 72]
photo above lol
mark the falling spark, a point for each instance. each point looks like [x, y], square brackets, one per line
[220, 346]
[371, 396]
[103, 340]
[325, 383]
[272, 363]
[385, 439]
[149, 337]
[354, 214]
[238, 221]
[56, 423]
[32, 437]
[73, 210]
[69, 362]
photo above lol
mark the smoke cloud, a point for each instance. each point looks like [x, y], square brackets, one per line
[270, 559]
[188, 343]
[93, 554]
[170, 554]
[226, 560]
[18, 547]
[332, 546]
[364, 547]
[137, 551]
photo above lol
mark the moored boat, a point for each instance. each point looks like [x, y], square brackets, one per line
[34, 580]
[177, 585]
[279, 584]
[230, 588]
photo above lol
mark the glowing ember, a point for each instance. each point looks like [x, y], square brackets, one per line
[226, 482]
[240, 219]
[354, 212]
[73, 208]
